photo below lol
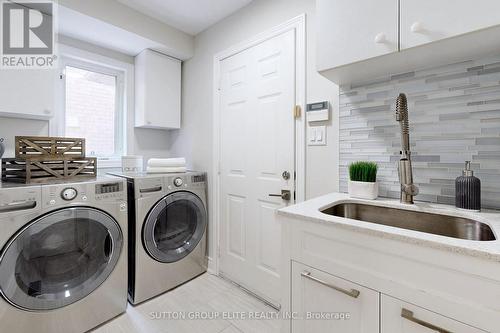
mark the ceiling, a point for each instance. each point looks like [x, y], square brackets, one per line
[103, 34]
[190, 16]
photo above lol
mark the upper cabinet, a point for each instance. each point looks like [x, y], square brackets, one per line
[27, 93]
[157, 91]
[425, 21]
[348, 31]
[361, 40]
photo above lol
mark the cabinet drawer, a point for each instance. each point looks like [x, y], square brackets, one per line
[399, 316]
[325, 303]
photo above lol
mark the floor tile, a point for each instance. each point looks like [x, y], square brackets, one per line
[231, 329]
[207, 304]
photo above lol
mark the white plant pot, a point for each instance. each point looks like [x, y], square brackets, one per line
[363, 190]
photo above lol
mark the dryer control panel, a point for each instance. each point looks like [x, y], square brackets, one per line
[186, 181]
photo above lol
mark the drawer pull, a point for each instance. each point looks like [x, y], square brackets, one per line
[18, 206]
[150, 190]
[407, 314]
[352, 293]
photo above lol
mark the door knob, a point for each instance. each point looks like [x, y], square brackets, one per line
[285, 195]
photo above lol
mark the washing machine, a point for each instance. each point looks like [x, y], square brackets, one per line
[167, 231]
[63, 259]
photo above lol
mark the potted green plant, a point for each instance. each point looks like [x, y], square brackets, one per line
[363, 180]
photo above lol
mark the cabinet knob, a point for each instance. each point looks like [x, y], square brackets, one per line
[380, 38]
[417, 27]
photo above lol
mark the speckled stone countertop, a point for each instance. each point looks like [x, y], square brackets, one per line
[310, 210]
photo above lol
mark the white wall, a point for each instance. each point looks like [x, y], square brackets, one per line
[194, 140]
[175, 42]
[73, 42]
[146, 142]
[10, 127]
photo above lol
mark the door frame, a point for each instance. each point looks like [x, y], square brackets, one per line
[298, 25]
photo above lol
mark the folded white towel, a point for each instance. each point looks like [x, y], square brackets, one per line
[166, 170]
[167, 162]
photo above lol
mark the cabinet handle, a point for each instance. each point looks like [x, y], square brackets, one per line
[380, 38]
[417, 27]
[352, 293]
[408, 315]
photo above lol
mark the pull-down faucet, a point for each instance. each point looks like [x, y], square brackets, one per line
[408, 189]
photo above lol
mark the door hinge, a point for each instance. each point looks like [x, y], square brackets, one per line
[297, 111]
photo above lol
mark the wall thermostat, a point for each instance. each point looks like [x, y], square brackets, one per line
[318, 111]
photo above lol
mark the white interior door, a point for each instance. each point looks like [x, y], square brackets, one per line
[257, 147]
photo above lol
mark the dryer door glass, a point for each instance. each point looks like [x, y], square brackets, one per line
[59, 258]
[174, 227]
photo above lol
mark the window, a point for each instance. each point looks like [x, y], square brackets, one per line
[93, 107]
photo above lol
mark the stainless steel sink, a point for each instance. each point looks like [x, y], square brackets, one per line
[444, 225]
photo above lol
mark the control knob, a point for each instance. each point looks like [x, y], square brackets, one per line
[178, 181]
[69, 194]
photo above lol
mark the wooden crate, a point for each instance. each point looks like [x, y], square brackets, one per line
[49, 147]
[38, 170]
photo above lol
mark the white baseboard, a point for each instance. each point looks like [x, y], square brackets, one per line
[211, 266]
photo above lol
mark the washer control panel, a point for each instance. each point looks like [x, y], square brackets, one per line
[109, 191]
[84, 193]
[69, 193]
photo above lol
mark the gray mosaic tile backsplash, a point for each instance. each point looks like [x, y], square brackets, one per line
[454, 113]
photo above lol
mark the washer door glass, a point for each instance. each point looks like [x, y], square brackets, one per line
[59, 258]
[174, 227]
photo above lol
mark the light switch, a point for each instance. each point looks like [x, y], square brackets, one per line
[317, 136]
[312, 135]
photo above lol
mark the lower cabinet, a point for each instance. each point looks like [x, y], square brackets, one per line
[324, 303]
[321, 302]
[399, 316]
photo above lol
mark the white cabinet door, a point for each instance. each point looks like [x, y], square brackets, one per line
[157, 91]
[424, 21]
[351, 31]
[325, 303]
[402, 317]
[27, 93]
